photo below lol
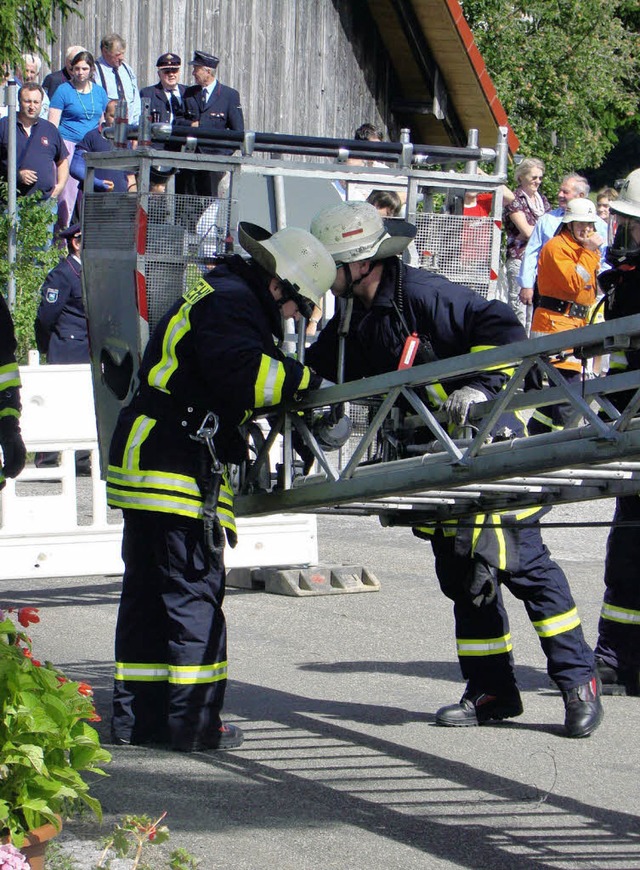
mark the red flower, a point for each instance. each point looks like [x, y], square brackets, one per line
[85, 689]
[36, 663]
[61, 680]
[95, 717]
[27, 615]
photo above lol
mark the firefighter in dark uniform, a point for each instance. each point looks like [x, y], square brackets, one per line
[210, 105]
[167, 95]
[618, 647]
[391, 302]
[61, 324]
[210, 361]
[13, 449]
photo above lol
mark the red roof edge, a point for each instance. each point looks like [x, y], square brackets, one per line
[479, 66]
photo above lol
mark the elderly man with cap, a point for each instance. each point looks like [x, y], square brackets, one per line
[392, 304]
[211, 106]
[210, 361]
[167, 95]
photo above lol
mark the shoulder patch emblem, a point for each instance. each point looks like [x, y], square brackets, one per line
[52, 294]
[198, 292]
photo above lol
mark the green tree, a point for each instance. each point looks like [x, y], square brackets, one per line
[566, 72]
[27, 27]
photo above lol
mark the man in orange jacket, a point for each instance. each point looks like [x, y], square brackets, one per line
[567, 287]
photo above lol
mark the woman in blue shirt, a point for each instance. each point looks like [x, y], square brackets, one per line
[76, 108]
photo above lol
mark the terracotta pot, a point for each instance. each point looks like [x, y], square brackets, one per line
[36, 843]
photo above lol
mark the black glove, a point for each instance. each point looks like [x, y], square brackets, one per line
[483, 583]
[14, 452]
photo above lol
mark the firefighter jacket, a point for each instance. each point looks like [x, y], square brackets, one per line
[567, 286]
[61, 324]
[213, 350]
[9, 374]
[450, 318]
[622, 288]
[455, 321]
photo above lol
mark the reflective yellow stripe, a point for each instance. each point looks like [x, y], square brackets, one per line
[525, 514]
[557, 624]
[269, 383]
[305, 379]
[140, 430]
[154, 480]
[9, 412]
[437, 394]
[489, 646]
[478, 348]
[623, 615]
[142, 672]
[502, 544]
[618, 361]
[546, 421]
[176, 329]
[193, 674]
[9, 376]
[479, 522]
[194, 294]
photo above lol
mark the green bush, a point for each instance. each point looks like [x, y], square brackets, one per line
[35, 257]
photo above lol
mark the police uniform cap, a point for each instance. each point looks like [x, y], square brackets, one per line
[169, 59]
[70, 231]
[201, 58]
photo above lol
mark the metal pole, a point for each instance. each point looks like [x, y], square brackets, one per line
[12, 182]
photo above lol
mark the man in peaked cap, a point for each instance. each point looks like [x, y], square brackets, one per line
[167, 94]
[211, 106]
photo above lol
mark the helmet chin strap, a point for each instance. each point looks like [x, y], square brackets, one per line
[351, 284]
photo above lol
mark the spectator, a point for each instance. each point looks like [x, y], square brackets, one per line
[94, 142]
[30, 71]
[567, 284]
[572, 186]
[116, 77]
[167, 94]
[42, 162]
[61, 326]
[603, 200]
[54, 79]
[520, 218]
[388, 202]
[76, 108]
[211, 106]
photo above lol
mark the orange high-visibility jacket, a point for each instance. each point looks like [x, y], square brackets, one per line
[566, 271]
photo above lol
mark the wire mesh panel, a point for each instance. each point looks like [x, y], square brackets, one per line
[458, 247]
[183, 233]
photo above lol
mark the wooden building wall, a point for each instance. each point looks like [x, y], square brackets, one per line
[301, 66]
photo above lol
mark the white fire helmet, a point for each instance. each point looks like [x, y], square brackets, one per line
[294, 256]
[624, 223]
[355, 231]
[580, 210]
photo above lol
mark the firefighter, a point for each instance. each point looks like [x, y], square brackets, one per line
[618, 647]
[567, 285]
[391, 302]
[211, 360]
[13, 449]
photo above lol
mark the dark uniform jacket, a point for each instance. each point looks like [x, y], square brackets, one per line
[93, 142]
[454, 319]
[221, 112]
[622, 286]
[159, 104]
[213, 351]
[61, 326]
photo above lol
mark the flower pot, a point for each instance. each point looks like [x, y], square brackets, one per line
[36, 843]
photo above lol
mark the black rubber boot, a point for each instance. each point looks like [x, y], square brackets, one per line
[477, 707]
[583, 709]
[618, 681]
[227, 737]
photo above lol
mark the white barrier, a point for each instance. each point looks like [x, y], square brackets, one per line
[54, 524]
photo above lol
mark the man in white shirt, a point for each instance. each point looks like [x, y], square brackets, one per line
[117, 77]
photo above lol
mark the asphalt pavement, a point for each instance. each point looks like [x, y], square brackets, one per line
[343, 766]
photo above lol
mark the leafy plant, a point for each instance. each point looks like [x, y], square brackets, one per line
[45, 738]
[25, 26]
[133, 834]
[35, 257]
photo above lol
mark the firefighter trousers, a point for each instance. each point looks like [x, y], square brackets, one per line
[171, 656]
[483, 639]
[619, 625]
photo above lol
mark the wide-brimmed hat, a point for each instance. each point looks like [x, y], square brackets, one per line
[581, 210]
[354, 231]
